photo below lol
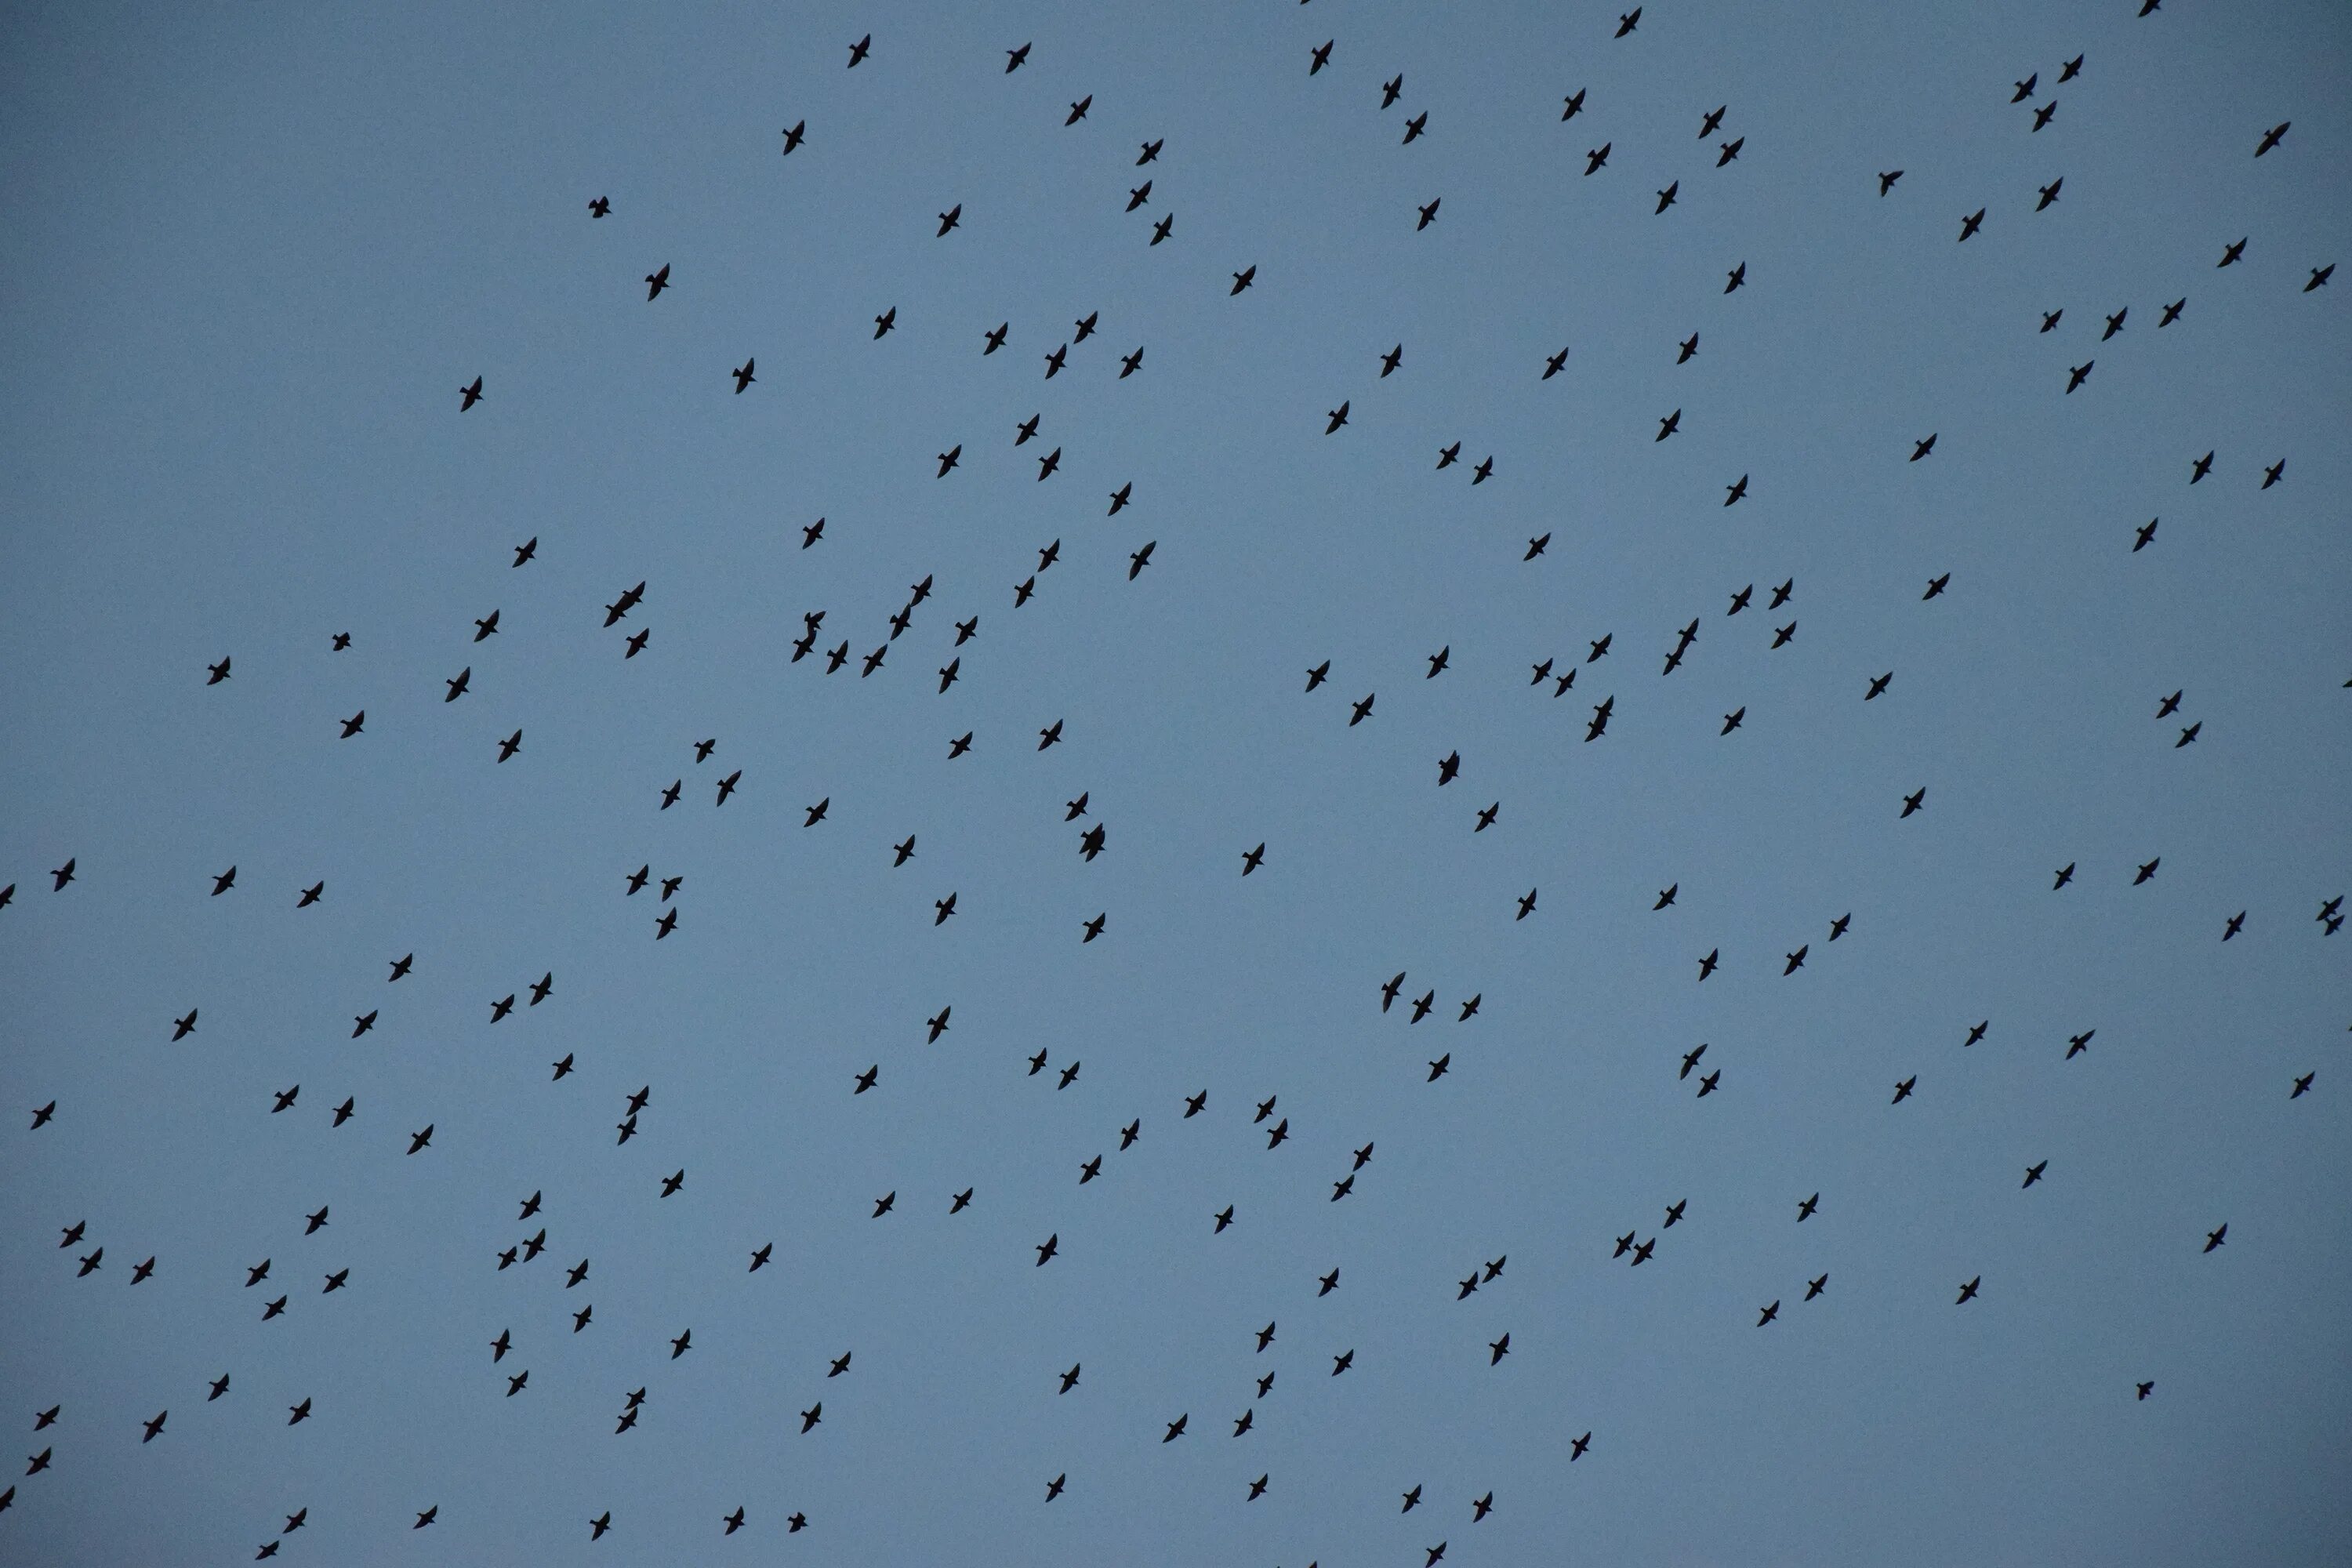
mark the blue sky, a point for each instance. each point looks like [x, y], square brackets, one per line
[255, 251]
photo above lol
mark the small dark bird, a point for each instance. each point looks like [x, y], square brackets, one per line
[1629, 21]
[343, 1112]
[2070, 70]
[656, 282]
[2077, 375]
[1013, 60]
[1707, 964]
[472, 394]
[1163, 228]
[1224, 1218]
[2231, 254]
[1497, 1350]
[1769, 1313]
[2320, 276]
[1666, 196]
[1914, 801]
[1921, 449]
[1903, 1089]
[2065, 875]
[1936, 586]
[1573, 105]
[1322, 58]
[1805, 1209]
[1729, 150]
[420, 1140]
[1972, 223]
[1253, 859]
[1886, 181]
[2302, 1086]
[1437, 1069]
[2272, 137]
[949, 219]
[1735, 493]
[1977, 1033]
[2171, 312]
[2271, 475]
[1428, 214]
[2237, 923]
[885, 320]
[2148, 870]
[2203, 466]
[794, 135]
[1150, 150]
[2213, 1238]
[858, 49]
[1969, 1291]
[1078, 110]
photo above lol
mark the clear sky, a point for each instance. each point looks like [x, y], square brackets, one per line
[252, 252]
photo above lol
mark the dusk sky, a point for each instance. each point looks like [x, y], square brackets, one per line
[254, 252]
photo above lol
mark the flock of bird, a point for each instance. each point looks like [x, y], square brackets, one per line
[279, 1283]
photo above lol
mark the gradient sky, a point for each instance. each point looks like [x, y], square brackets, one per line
[253, 251]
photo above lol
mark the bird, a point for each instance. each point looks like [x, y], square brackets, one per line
[1223, 1217]
[1978, 1033]
[1574, 104]
[1768, 1314]
[794, 135]
[1665, 896]
[2077, 375]
[2319, 276]
[2202, 466]
[885, 321]
[2271, 475]
[1969, 1291]
[1339, 416]
[1626, 23]
[1666, 196]
[2043, 115]
[2272, 137]
[1150, 150]
[2214, 1238]
[657, 280]
[1253, 859]
[1078, 110]
[472, 394]
[2302, 1086]
[1244, 278]
[1936, 586]
[2232, 254]
[1322, 57]
[1428, 214]
[1806, 1209]
[2172, 312]
[857, 50]
[1597, 158]
[1729, 150]
[1496, 1350]
[1915, 801]
[1706, 965]
[1972, 223]
[2148, 870]
[1736, 492]
[1887, 180]
[1921, 449]
[2050, 193]
[2065, 874]
[950, 218]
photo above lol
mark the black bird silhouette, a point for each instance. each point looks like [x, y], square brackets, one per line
[1078, 110]
[1887, 180]
[2272, 137]
[1666, 196]
[794, 135]
[1013, 60]
[949, 219]
[1972, 223]
[857, 50]
[1629, 21]
[1597, 158]
[2231, 254]
[1573, 105]
[1322, 58]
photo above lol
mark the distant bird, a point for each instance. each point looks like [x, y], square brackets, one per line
[2272, 137]
[1921, 449]
[656, 282]
[1969, 1291]
[2172, 312]
[857, 50]
[1078, 110]
[1497, 1350]
[472, 394]
[2077, 375]
[1626, 23]
[2213, 1238]
[794, 135]
[1338, 417]
[743, 377]
[1574, 104]
[1322, 57]
[949, 219]
[1429, 215]
[2231, 254]
[1972, 223]
[1887, 180]
[1597, 158]
[2050, 193]
[2033, 1172]
[1666, 196]
[1915, 801]
[1903, 1089]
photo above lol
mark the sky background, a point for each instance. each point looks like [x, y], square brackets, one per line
[252, 251]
